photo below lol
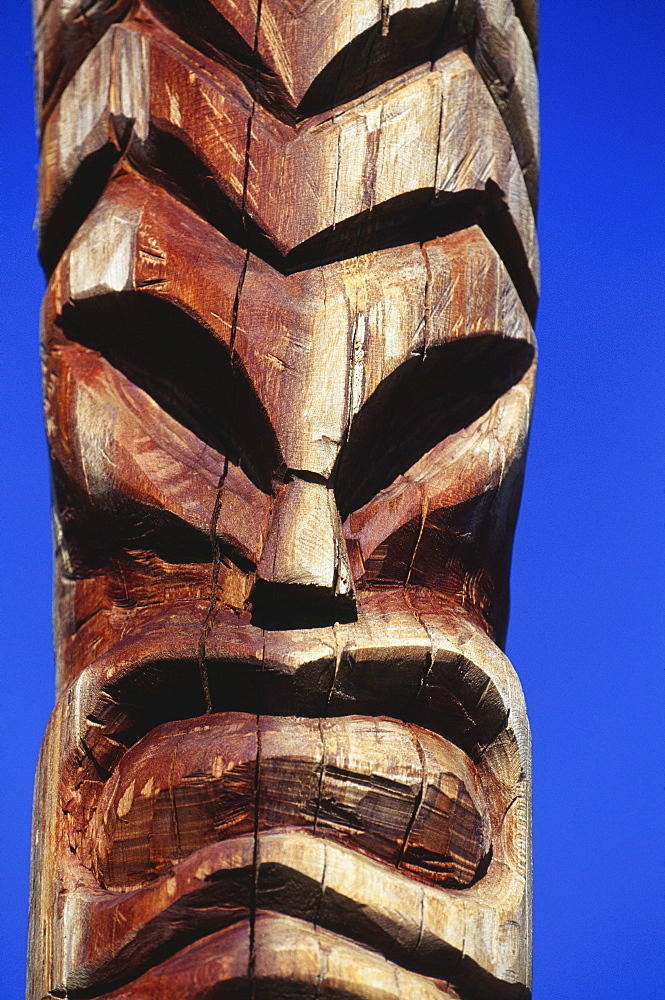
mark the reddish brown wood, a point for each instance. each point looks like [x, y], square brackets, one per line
[288, 371]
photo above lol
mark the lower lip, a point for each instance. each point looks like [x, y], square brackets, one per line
[393, 791]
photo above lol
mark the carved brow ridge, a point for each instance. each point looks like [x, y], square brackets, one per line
[431, 24]
[413, 216]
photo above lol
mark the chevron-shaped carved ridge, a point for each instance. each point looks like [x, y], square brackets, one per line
[297, 72]
[368, 158]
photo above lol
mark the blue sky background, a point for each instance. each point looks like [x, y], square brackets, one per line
[586, 632]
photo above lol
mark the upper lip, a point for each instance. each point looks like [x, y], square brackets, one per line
[151, 676]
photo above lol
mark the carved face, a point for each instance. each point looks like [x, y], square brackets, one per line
[287, 754]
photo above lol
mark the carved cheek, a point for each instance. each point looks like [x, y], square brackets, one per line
[443, 524]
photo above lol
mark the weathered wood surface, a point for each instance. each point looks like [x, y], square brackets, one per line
[288, 372]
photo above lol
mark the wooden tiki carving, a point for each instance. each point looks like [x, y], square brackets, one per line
[288, 371]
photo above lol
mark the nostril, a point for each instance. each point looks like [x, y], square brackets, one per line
[286, 606]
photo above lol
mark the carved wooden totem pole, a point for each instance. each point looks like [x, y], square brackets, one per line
[289, 362]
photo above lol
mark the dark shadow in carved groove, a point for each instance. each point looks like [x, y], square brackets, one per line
[225, 897]
[417, 36]
[414, 216]
[186, 369]
[82, 194]
[97, 535]
[457, 702]
[419, 216]
[422, 402]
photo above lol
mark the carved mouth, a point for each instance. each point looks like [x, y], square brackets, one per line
[200, 824]
[421, 662]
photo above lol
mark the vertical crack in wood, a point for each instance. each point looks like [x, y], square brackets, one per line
[424, 507]
[385, 17]
[236, 308]
[251, 970]
[322, 889]
[424, 502]
[212, 606]
[245, 183]
[427, 667]
[213, 599]
[419, 796]
[243, 217]
[337, 170]
[429, 656]
[322, 770]
[339, 652]
[427, 296]
[437, 153]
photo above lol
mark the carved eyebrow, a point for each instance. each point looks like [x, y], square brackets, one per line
[358, 54]
[186, 369]
[421, 216]
[426, 399]
[413, 216]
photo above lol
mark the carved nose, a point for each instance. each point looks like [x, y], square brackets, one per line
[304, 576]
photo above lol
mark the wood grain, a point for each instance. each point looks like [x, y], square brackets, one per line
[289, 362]
[387, 790]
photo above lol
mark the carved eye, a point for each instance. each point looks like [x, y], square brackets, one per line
[187, 371]
[139, 530]
[422, 402]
